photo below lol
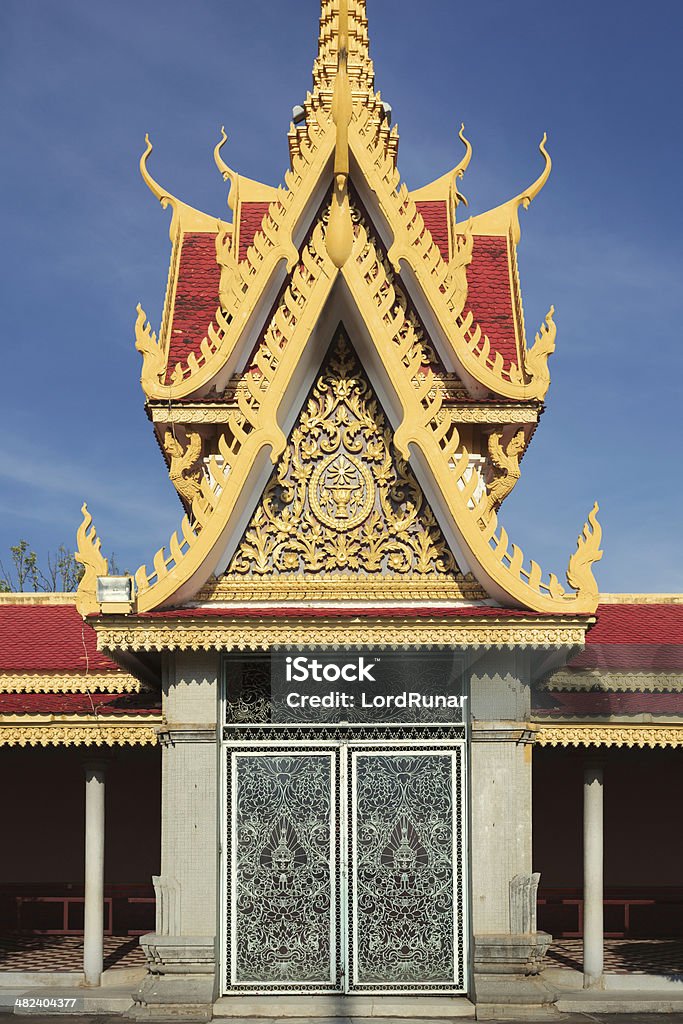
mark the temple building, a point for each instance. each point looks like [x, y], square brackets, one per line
[340, 747]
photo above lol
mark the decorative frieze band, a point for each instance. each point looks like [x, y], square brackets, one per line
[68, 682]
[262, 634]
[610, 735]
[90, 734]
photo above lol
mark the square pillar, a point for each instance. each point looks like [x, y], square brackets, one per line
[181, 953]
[508, 948]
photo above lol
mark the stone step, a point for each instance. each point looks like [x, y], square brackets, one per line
[339, 1009]
[47, 1000]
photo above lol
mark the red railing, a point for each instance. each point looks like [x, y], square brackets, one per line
[58, 909]
[629, 912]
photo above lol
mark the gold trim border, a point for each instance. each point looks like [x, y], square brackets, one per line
[262, 634]
[610, 736]
[83, 734]
[68, 682]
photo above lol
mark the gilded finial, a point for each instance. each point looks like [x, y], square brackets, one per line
[227, 173]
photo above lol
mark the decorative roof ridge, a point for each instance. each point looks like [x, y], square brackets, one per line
[636, 599]
[244, 284]
[252, 429]
[428, 425]
[25, 597]
[443, 286]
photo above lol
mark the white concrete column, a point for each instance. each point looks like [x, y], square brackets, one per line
[593, 935]
[93, 937]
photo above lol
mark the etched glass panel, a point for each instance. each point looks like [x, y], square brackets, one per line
[283, 863]
[403, 871]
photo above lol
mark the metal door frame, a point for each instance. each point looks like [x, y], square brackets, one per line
[341, 751]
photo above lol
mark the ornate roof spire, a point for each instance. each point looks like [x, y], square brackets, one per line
[340, 228]
[360, 70]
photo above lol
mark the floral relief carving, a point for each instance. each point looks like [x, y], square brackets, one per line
[341, 497]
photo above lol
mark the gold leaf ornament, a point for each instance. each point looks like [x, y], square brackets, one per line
[341, 497]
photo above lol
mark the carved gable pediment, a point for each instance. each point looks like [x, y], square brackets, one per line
[342, 514]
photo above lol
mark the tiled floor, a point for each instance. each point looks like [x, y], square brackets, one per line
[623, 956]
[64, 952]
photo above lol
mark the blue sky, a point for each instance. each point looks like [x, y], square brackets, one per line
[83, 241]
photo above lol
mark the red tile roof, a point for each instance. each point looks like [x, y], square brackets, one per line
[77, 704]
[635, 636]
[435, 215]
[196, 297]
[48, 638]
[598, 703]
[638, 624]
[251, 218]
[489, 294]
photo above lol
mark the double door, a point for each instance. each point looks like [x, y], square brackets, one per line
[344, 867]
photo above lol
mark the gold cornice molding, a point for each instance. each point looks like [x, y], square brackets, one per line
[262, 633]
[35, 731]
[68, 682]
[468, 413]
[610, 736]
[209, 413]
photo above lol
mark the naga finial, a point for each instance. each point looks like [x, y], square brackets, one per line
[153, 361]
[536, 358]
[588, 552]
[227, 173]
[339, 237]
[164, 197]
[459, 171]
[533, 190]
[151, 183]
[89, 555]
